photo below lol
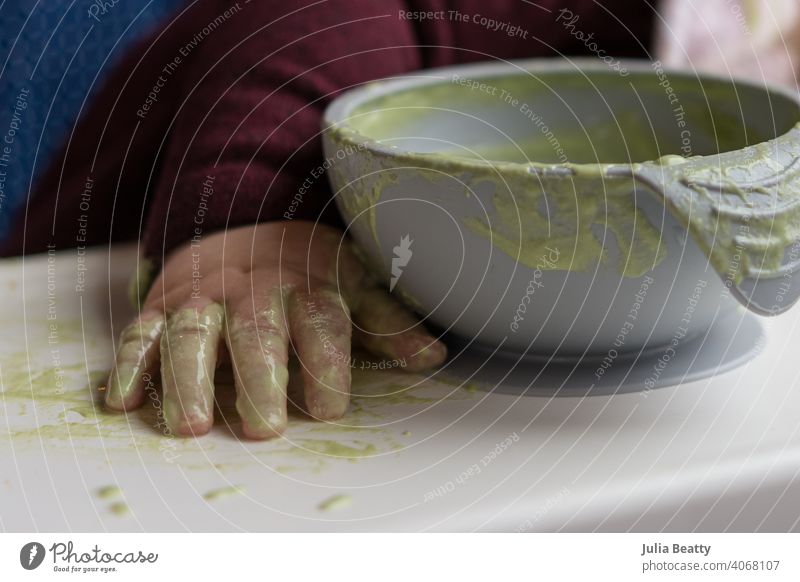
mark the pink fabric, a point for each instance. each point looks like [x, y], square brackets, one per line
[755, 39]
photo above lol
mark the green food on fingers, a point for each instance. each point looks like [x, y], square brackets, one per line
[189, 347]
[137, 354]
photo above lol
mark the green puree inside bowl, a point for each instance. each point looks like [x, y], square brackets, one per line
[571, 118]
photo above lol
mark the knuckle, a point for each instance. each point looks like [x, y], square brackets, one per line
[194, 321]
[264, 323]
[327, 303]
[142, 331]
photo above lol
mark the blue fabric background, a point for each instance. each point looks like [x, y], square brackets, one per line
[59, 51]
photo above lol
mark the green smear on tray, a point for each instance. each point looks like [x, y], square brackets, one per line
[335, 503]
[223, 492]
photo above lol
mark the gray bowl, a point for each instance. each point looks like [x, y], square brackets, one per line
[497, 199]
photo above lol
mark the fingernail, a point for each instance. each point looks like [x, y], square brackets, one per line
[121, 385]
[427, 352]
[328, 396]
[258, 427]
[187, 426]
[328, 408]
[189, 420]
[191, 428]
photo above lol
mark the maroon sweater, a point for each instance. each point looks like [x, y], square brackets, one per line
[215, 117]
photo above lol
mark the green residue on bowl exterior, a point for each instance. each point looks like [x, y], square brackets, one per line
[223, 492]
[335, 503]
[535, 214]
[362, 197]
[571, 188]
[745, 241]
[108, 492]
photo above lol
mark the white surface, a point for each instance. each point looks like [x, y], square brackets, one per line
[717, 454]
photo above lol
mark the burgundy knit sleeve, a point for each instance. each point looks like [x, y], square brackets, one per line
[254, 83]
[213, 121]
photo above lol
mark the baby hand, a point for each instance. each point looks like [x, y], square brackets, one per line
[255, 294]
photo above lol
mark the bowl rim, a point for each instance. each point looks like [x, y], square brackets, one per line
[337, 112]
